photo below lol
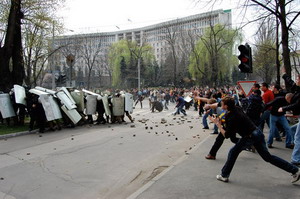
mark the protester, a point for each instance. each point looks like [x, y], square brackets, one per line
[236, 121]
[255, 107]
[139, 99]
[180, 105]
[294, 105]
[279, 118]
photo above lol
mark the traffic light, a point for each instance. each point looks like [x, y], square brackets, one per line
[245, 58]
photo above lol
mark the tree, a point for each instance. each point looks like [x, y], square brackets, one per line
[103, 68]
[126, 53]
[37, 25]
[295, 52]
[90, 51]
[153, 75]
[212, 57]
[264, 56]
[286, 13]
[71, 47]
[172, 34]
[117, 51]
[40, 22]
[11, 59]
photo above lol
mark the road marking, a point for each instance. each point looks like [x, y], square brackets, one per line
[6, 196]
[151, 182]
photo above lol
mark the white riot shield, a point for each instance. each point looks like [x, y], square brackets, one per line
[91, 104]
[37, 92]
[105, 104]
[20, 94]
[65, 100]
[79, 99]
[51, 107]
[45, 90]
[68, 94]
[90, 92]
[74, 116]
[118, 106]
[129, 102]
[6, 107]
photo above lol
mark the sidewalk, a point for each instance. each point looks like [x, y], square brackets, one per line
[195, 177]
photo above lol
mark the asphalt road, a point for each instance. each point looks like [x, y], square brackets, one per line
[99, 161]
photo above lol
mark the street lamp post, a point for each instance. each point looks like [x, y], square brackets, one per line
[139, 63]
[139, 73]
[52, 47]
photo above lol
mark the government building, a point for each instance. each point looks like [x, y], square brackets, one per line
[92, 58]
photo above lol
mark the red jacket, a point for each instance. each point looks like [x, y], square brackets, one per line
[268, 96]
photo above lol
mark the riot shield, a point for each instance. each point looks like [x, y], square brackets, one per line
[51, 107]
[52, 92]
[129, 102]
[74, 116]
[6, 107]
[118, 106]
[37, 92]
[91, 104]
[79, 99]
[105, 104]
[65, 100]
[68, 94]
[20, 94]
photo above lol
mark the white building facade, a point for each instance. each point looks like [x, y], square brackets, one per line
[95, 46]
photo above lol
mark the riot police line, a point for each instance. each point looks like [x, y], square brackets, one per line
[64, 106]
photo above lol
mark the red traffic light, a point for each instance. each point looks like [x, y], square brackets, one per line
[244, 59]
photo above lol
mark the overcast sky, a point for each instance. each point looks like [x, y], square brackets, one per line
[104, 15]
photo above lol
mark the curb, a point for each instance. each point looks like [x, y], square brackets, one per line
[18, 134]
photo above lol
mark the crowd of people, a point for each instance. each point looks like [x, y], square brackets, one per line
[228, 108]
[234, 113]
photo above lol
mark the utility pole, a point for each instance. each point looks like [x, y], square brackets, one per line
[139, 73]
[52, 64]
[139, 63]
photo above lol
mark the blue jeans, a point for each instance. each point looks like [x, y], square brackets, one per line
[180, 109]
[204, 119]
[293, 130]
[283, 121]
[296, 150]
[216, 130]
[265, 118]
[258, 140]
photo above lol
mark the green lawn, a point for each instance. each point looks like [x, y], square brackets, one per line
[4, 129]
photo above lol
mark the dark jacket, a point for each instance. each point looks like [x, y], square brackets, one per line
[255, 107]
[295, 101]
[236, 121]
[276, 104]
[180, 102]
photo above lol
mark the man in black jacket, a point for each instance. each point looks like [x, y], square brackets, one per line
[236, 121]
[279, 118]
[295, 107]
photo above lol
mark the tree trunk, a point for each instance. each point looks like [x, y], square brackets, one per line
[89, 79]
[277, 50]
[12, 50]
[175, 66]
[285, 41]
[18, 71]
